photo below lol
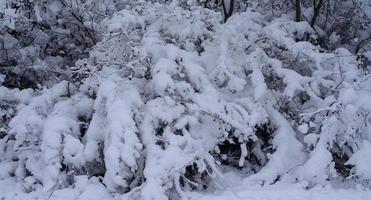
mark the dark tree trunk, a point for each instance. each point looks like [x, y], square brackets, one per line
[297, 11]
[316, 11]
[227, 9]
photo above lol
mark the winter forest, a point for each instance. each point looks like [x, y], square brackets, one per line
[185, 99]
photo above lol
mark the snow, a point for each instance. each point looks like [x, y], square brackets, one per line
[151, 100]
[233, 188]
[282, 191]
[288, 154]
[361, 160]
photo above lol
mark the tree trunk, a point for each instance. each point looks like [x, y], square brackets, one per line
[228, 6]
[316, 11]
[297, 11]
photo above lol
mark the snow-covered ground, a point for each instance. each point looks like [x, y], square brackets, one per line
[284, 192]
[231, 188]
[236, 189]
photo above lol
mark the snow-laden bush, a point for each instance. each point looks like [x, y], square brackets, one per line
[170, 94]
[41, 39]
[336, 23]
